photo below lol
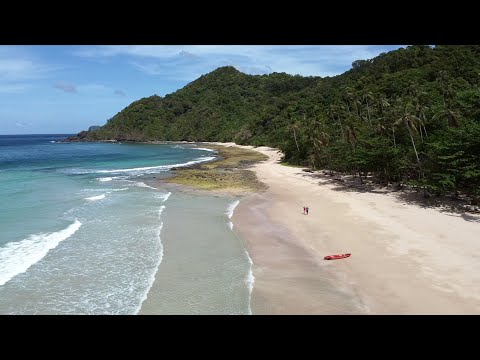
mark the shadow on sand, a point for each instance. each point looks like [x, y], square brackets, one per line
[446, 204]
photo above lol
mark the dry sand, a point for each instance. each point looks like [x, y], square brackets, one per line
[405, 259]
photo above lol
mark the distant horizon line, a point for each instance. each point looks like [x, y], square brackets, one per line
[38, 134]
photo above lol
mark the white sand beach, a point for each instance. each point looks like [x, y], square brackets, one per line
[405, 259]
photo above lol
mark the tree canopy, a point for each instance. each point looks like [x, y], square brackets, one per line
[409, 115]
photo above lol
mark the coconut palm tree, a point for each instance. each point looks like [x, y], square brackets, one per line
[394, 140]
[351, 135]
[334, 112]
[312, 160]
[418, 99]
[295, 127]
[410, 122]
[383, 104]
[446, 86]
[367, 95]
[420, 114]
[349, 98]
[452, 117]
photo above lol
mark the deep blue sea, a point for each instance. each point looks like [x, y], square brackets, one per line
[82, 232]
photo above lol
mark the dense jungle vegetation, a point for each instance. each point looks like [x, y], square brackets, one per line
[411, 115]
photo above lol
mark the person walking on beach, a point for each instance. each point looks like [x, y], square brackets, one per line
[306, 209]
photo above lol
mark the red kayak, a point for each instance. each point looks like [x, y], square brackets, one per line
[336, 257]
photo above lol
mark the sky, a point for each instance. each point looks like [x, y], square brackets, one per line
[58, 89]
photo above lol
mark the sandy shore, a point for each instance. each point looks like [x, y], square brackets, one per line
[405, 259]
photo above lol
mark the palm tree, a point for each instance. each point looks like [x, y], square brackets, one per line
[365, 97]
[358, 107]
[446, 86]
[410, 121]
[420, 114]
[453, 118]
[322, 139]
[448, 99]
[294, 127]
[312, 159]
[351, 135]
[418, 101]
[393, 132]
[334, 113]
[383, 104]
[349, 98]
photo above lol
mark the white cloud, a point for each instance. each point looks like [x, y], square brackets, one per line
[156, 51]
[183, 61]
[150, 68]
[16, 88]
[255, 69]
[16, 65]
[19, 68]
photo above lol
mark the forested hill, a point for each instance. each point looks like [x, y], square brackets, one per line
[408, 115]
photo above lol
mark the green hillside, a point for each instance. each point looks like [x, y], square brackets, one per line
[409, 115]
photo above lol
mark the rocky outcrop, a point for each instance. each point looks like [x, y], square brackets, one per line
[82, 135]
[79, 137]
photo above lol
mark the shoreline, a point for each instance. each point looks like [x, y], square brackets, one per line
[229, 174]
[405, 259]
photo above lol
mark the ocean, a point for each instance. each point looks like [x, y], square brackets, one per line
[83, 232]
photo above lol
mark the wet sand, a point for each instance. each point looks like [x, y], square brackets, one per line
[405, 259]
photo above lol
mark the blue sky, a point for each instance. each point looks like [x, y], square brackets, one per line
[66, 89]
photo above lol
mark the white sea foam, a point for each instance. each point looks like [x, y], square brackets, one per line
[133, 171]
[151, 280]
[94, 198]
[111, 178]
[160, 167]
[231, 208]
[163, 197]
[108, 191]
[250, 280]
[204, 149]
[142, 184]
[17, 257]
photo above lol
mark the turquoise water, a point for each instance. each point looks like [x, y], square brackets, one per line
[82, 233]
